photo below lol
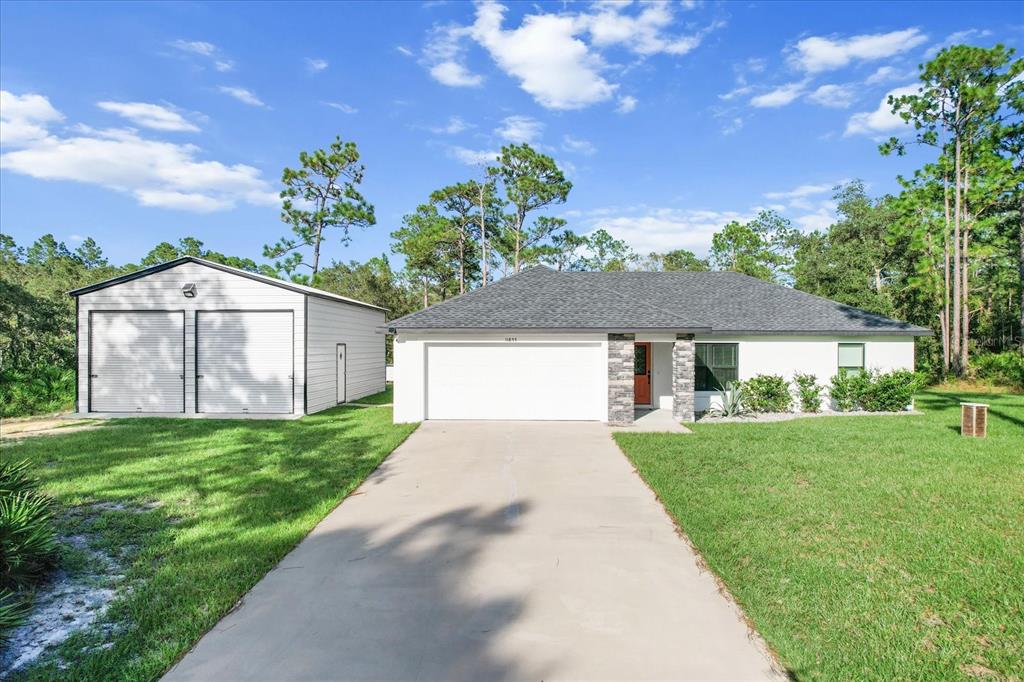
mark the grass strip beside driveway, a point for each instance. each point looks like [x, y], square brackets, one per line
[203, 508]
[868, 548]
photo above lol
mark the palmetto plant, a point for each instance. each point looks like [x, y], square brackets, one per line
[28, 541]
[13, 610]
[732, 402]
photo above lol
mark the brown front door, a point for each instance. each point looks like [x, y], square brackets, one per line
[642, 374]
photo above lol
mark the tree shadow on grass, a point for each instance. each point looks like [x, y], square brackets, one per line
[235, 497]
[361, 602]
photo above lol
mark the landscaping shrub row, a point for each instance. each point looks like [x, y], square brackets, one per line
[872, 391]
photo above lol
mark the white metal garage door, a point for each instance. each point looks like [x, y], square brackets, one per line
[136, 361]
[244, 362]
[516, 381]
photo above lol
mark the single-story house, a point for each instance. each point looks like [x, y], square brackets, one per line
[550, 345]
[195, 338]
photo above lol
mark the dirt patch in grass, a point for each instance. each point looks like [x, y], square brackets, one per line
[91, 575]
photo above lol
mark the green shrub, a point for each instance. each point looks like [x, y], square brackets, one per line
[847, 388]
[28, 541]
[889, 392]
[767, 393]
[808, 391]
[873, 391]
[39, 390]
[1005, 368]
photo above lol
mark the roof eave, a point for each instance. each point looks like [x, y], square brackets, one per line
[523, 330]
[167, 265]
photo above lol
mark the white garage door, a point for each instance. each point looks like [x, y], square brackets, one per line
[137, 361]
[244, 362]
[516, 381]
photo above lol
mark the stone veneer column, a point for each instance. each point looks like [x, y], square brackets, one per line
[620, 379]
[683, 357]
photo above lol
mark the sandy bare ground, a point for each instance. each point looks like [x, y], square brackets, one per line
[49, 425]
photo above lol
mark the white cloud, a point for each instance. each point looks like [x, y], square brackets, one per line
[627, 103]
[342, 107]
[739, 91]
[802, 191]
[819, 219]
[455, 75]
[834, 96]
[518, 129]
[544, 54]
[472, 157]
[816, 53]
[663, 229]
[156, 173]
[578, 145]
[404, 50]
[454, 126]
[195, 47]
[881, 120]
[780, 96]
[641, 33]
[316, 65]
[734, 125]
[24, 119]
[556, 57]
[152, 116]
[958, 38]
[243, 95]
[886, 74]
[205, 49]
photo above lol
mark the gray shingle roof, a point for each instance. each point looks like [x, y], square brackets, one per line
[720, 302]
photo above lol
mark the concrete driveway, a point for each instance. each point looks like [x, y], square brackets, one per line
[485, 551]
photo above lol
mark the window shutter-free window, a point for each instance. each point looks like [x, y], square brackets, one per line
[851, 357]
[716, 365]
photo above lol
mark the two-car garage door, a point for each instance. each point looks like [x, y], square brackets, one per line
[542, 381]
[244, 361]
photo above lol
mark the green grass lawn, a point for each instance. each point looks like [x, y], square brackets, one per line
[861, 547]
[211, 507]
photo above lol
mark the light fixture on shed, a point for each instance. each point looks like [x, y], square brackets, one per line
[189, 289]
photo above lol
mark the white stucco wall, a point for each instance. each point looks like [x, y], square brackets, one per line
[816, 355]
[785, 356]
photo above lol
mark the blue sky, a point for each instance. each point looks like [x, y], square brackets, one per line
[136, 123]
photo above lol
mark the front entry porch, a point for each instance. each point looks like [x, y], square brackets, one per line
[652, 373]
[653, 420]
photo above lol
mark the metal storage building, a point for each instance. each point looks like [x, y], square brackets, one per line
[194, 338]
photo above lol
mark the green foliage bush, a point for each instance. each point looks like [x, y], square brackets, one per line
[13, 609]
[38, 390]
[1005, 368]
[767, 393]
[809, 392]
[874, 391]
[28, 539]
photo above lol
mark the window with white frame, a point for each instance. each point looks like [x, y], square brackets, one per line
[851, 358]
